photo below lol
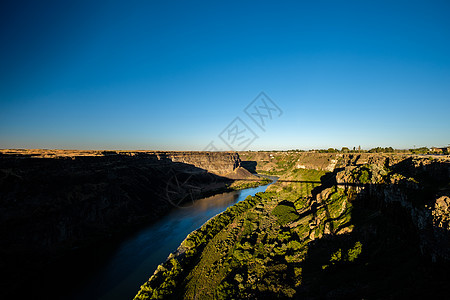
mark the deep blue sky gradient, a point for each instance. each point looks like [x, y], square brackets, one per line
[171, 75]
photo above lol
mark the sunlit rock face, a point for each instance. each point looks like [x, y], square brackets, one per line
[220, 163]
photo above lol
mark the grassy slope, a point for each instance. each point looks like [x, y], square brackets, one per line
[244, 251]
[304, 237]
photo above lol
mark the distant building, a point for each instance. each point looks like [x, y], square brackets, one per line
[443, 150]
[436, 150]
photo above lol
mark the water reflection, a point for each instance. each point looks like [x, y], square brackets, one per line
[216, 201]
[138, 256]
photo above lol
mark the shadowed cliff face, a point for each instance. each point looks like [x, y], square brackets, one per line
[220, 163]
[55, 201]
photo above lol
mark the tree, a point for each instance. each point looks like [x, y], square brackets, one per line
[421, 150]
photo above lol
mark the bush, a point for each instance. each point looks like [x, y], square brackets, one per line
[285, 213]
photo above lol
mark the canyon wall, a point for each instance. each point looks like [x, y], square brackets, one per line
[415, 190]
[284, 161]
[220, 163]
[54, 202]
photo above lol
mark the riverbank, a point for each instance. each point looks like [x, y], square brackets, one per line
[59, 205]
[57, 277]
[209, 243]
[127, 266]
[377, 229]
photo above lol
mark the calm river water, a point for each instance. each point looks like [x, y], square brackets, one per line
[137, 257]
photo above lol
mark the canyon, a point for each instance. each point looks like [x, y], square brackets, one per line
[58, 204]
[333, 226]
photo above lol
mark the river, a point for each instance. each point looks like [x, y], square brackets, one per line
[138, 256]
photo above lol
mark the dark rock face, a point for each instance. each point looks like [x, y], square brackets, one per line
[415, 190]
[51, 204]
[400, 214]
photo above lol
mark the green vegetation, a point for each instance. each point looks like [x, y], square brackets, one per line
[255, 247]
[362, 175]
[329, 150]
[381, 150]
[347, 150]
[304, 231]
[242, 184]
[421, 150]
[343, 256]
[285, 212]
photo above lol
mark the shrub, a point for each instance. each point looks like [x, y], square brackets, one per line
[285, 213]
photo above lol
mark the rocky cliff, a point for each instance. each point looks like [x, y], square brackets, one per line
[220, 163]
[54, 202]
[282, 161]
[418, 187]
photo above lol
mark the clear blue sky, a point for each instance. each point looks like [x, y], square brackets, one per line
[171, 75]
